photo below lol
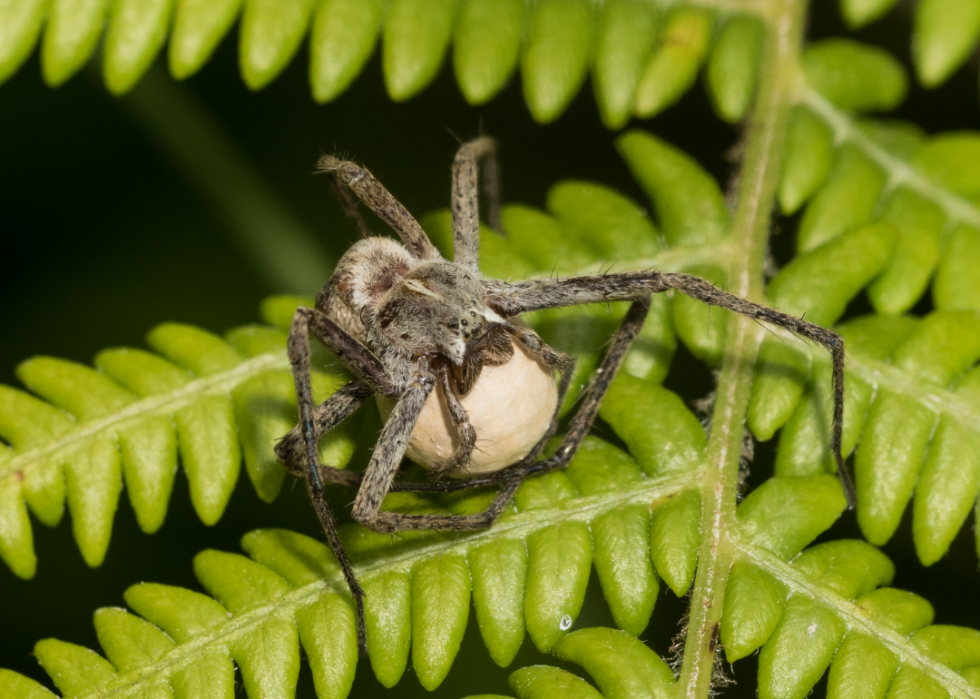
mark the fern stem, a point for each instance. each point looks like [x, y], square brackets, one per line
[756, 191]
[280, 247]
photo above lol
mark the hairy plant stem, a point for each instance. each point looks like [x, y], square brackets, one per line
[756, 192]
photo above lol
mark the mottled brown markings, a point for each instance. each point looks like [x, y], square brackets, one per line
[402, 318]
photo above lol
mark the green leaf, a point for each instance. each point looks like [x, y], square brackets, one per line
[858, 13]
[137, 30]
[499, 571]
[673, 67]
[944, 34]
[19, 686]
[661, 433]
[949, 482]
[20, 24]
[920, 224]
[326, 626]
[689, 205]
[486, 46]
[416, 35]
[440, 606]
[785, 514]
[753, 607]
[734, 65]
[891, 451]
[846, 200]
[542, 240]
[799, 650]
[73, 668]
[950, 160]
[556, 56]
[559, 559]
[806, 160]
[626, 36]
[953, 287]
[803, 444]
[611, 225]
[199, 25]
[70, 38]
[816, 285]
[16, 537]
[622, 666]
[854, 76]
[342, 39]
[271, 32]
[675, 535]
[701, 327]
[388, 612]
[269, 660]
[542, 682]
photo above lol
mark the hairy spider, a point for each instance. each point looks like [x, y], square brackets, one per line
[413, 327]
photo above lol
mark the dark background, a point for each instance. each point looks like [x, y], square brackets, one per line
[103, 235]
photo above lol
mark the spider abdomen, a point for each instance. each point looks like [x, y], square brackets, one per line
[510, 407]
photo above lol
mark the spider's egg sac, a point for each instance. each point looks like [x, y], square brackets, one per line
[509, 407]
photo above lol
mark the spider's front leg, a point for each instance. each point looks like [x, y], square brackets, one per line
[301, 443]
[537, 294]
[380, 474]
[465, 203]
[360, 181]
[461, 422]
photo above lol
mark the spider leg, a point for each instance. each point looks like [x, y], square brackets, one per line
[379, 478]
[387, 456]
[291, 450]
[461, 421]
[349, 203]
[379, 200]
[554, 359]
[511, 299]
[513, 476]
[465, 206]
[371, 376]
[356, 357]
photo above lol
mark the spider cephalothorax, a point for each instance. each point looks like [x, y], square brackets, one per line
[439, 344]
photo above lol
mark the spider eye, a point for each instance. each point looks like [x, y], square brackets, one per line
[473, 313]
[464, 322]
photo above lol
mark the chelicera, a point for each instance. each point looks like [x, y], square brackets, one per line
[418, 330]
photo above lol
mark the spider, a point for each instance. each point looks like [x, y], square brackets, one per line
[414, 327]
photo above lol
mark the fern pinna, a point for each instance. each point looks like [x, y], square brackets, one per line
[886, 213]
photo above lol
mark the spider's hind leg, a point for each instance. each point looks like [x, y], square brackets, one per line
[628, 330]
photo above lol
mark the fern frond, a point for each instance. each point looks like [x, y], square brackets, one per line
[944, 33]
[212, 400]
[556, 45]
[290, 593]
